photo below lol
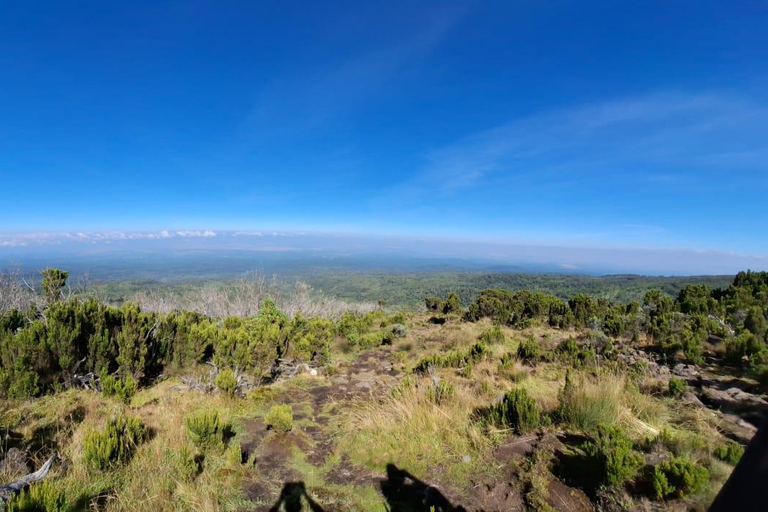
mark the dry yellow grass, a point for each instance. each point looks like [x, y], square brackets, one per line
[408, 429]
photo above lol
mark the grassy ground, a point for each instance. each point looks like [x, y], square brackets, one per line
[369, 434]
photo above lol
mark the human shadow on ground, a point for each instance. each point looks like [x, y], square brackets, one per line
[291, 497]
[406, 493]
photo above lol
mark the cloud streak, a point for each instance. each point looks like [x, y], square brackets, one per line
[644, 137]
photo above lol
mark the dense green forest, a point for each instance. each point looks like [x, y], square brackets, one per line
[409, 289]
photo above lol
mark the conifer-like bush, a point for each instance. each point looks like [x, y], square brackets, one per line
[279, 418]
[207, 431]
[115, 445]
[43, 496]
[679, 477]
[517, 410]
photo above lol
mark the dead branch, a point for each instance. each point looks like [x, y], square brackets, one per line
[8, 491]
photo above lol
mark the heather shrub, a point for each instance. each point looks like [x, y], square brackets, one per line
[493, 336]
[226, 381]
[279, 418]
[729, 452]
[121, 388]
[441, 392]
[517, 410]
[529, 350]
[115, 445]
[611, 455]
[207, 431]
[43, 496]
[679, 477]
[676, 387]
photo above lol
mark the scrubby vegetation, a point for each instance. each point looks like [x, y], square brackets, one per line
[518, 395]
[113, 446]
[207, 431]
[279, 418]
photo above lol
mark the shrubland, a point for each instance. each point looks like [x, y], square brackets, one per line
[518, 389]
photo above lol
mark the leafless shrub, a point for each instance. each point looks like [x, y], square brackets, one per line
[16, 292]
[244, 297]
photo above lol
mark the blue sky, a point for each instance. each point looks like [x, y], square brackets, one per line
[611, 124]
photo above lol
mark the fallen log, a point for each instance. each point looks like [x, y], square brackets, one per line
[8, 491]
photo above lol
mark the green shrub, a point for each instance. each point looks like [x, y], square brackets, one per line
[43, 496]
[234, 454]
[568, 348]
[121, 388]
[226, 381]
[373, 339]
[452, 304]
[494, 336]
[207, 431]
[679, 477]
[729, 452]
[115, 445]
[399, 330]
[529, 350]
[279, 418]
[611, 455]
[441, 392]
[517, 410]
[183, 459]
[453, 359]
[677, 387]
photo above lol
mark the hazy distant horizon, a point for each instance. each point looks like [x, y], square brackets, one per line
[228, 253]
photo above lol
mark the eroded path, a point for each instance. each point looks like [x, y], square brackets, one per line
[307, 454]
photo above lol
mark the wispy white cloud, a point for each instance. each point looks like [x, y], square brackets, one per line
[294, 104]
[655, 132]
[28, 239]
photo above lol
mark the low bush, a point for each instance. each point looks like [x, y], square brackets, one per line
[114, 445]
[568, 348]
[279, 418]
[612, 457]
[43, 496]
[517, 410]
[677, 387]
[453, 359]
[226, 381]
[207, 431]
[529, 350]
[121, 388]
[399, 330]
[494, 336]
[441, 392]
[678, 478]
[729, 452]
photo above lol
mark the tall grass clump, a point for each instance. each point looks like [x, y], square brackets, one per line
[586, 403]
[207, 431]
[115, 445]
[517, 411]
[408, 425]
